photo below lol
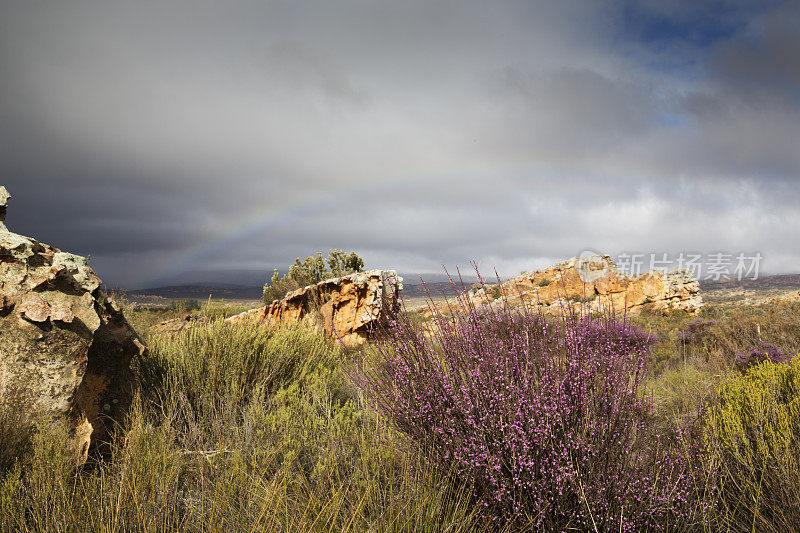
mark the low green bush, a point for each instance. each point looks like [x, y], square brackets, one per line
[752, 437]
[184, 305]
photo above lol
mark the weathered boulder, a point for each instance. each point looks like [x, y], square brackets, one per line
[345, 308]
[176, 326]
[595, 283]
[63, 343]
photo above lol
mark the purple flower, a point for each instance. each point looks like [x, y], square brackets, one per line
[545, 418]
[765, 351]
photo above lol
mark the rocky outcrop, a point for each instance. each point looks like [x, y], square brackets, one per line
[345, 308]
[64, 345]
[593, 284]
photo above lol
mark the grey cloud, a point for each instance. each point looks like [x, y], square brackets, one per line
[570, 113]
[416, 133]
[761, 64]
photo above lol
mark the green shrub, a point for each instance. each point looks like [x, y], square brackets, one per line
[753, 442]
[41, 474]
[679, 393]
[184, 305]
[279, 287]
[311, 270]
[544, 282]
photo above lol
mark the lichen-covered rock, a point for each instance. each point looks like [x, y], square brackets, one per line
[62, 341]
[593, 284]
[345, 308]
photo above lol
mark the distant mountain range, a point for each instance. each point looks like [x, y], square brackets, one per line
[201, 292]
[239, 292]
[413, 288]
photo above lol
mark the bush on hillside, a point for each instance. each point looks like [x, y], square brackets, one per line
[545, 419]
[721, 333]
[184, 305]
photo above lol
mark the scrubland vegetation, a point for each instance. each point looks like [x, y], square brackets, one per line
[496, 420]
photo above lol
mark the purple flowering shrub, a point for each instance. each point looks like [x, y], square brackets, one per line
[765, 351]
[545, 418]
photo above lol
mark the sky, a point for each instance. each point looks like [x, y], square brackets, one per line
[188, 141]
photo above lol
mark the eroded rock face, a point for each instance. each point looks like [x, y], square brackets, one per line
[345, 308]
[596, 284]
[62, 342]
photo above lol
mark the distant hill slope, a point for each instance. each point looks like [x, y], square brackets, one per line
[435, 289]
[201, 292]
[779, 281]
[415, 290]
[228, 292]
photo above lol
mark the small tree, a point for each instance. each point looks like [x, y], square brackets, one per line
[311, 270]
[342, 264]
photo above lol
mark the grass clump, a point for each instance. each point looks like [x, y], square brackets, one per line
[237, 428]
[16, 427]
[220, 309]
[753, 441]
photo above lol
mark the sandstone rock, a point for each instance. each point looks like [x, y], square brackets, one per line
[596, 284]
[4, 196]
[176, 326]
[62, 341]
[345, 308]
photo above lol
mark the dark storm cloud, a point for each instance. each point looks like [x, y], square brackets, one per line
[163, 138]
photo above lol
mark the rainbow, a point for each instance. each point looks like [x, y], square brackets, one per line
[259, 222]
